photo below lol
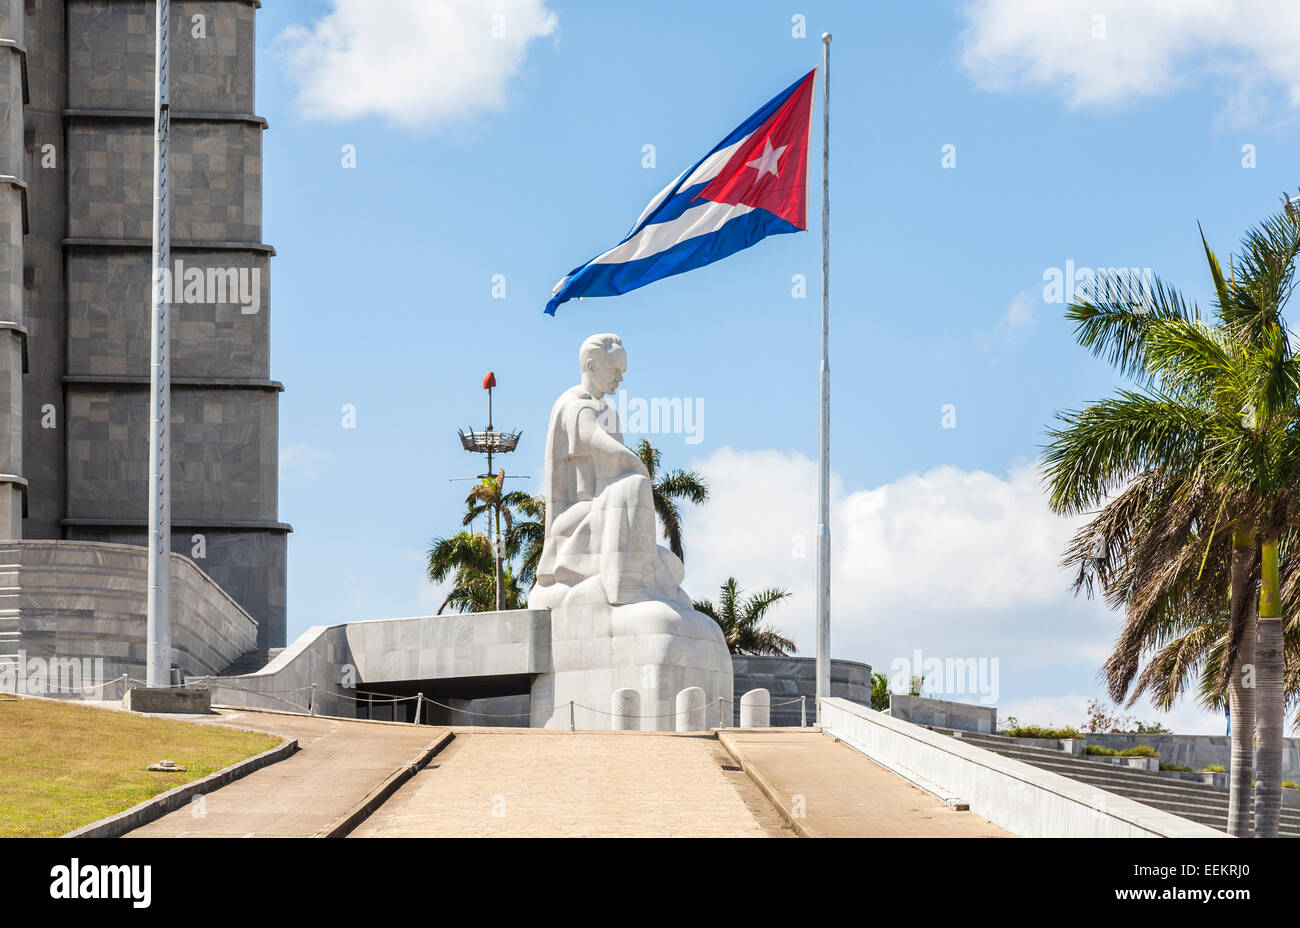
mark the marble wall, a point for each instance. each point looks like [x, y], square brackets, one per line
[82, 600]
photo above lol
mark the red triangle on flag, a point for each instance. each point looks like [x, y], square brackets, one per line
[770, 168]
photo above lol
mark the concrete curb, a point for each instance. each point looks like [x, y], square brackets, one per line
[307, 715]
[343, 826]
[766, 788]
[152, 809]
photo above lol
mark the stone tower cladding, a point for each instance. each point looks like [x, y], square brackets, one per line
[90, 78]
[13, 328]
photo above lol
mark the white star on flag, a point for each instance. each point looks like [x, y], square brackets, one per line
[766, 162]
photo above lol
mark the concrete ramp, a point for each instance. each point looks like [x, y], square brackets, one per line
[825, 789]
[339, 771]
[494, 782]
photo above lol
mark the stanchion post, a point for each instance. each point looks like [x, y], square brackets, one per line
[803, 711]
[721, 721]
[571, 715]
[419, 704]
[313, 700]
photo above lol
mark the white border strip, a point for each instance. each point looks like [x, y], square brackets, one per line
[1014, 795]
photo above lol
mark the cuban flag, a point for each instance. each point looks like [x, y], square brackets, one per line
[754, 183]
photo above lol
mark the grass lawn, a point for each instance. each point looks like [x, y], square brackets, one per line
[63, 765]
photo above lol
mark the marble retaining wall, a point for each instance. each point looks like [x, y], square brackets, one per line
[86, 601]
[788, 678]
[942, 713]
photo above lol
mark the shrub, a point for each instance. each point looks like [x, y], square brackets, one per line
[1213, 768]
[1141, 750]
[1152, 728]
[1290, 784]
[1036, 731]
[1175, 768]
[879, 692]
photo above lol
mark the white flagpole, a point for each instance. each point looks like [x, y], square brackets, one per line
[158, 608]
[824, 430]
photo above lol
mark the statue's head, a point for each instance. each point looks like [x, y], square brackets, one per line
[603, 362]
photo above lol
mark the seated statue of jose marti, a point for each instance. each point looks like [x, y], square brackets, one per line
[600, 544]
[619, 617]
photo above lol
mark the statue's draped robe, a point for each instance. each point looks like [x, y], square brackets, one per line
[600, 518]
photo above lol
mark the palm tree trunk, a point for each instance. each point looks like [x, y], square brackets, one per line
[1269, 710]
[1241, 695]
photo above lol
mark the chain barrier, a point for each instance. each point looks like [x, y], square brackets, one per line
[370, 698]
[84, 688]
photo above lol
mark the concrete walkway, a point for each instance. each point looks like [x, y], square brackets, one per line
[338, 764]
[833, 791]
[547, 783]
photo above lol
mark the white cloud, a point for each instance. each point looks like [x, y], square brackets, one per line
[420, 63]
[1187, 718]
[1020, 314]
[1019, 318]
[1140, 48]
[301, 463]
[958, 564]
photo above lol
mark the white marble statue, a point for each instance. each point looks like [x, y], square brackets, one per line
[619, 617]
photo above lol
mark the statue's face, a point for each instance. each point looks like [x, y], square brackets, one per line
[606, 372]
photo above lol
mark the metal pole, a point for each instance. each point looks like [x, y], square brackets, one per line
[498, 552]
[803, 711]
[158, 606]
[419, 704]
[824, 430]
[312, 707]
[570, 715]
[496, 537]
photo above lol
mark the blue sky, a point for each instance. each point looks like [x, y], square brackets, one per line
[524, 158]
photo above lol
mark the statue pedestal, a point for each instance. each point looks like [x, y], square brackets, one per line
[655, 648]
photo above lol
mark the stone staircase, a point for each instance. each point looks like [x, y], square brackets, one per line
[1195, 801]
[8, 613]
[251, 662]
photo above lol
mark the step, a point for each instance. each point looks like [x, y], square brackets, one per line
[1198, 802]
[1069, 765]
[1067, 762]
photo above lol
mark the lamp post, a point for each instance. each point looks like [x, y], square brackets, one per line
[492, 441]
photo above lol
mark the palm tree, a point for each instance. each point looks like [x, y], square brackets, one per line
[667, 489]
[1208, 454]
[467, 558]
[1186, 582]
[525, 536]
[741, 621]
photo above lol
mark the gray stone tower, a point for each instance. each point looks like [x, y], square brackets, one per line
[76, 173]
